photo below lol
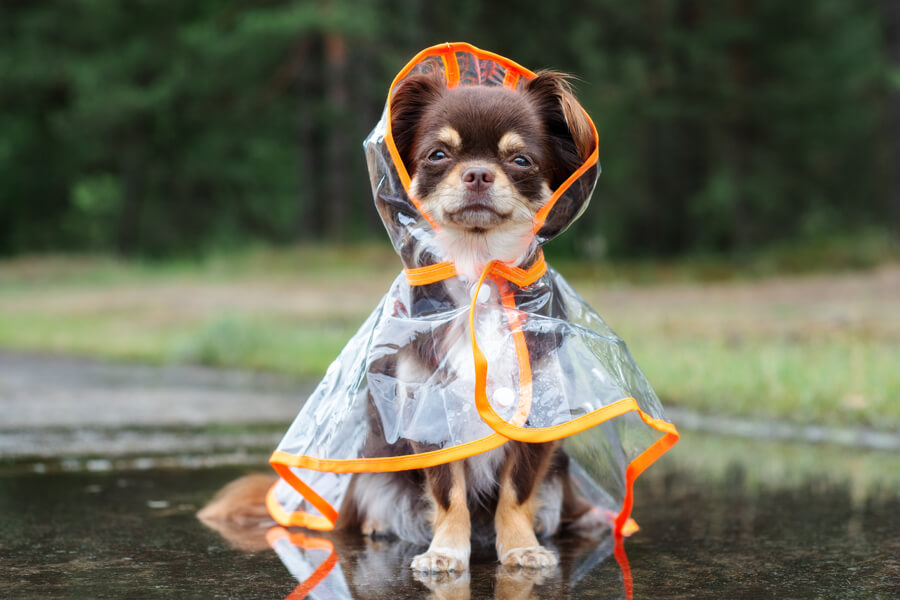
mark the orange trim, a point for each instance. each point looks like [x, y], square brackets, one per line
[508, 297]
[450, 66]
[282, 462]
[299, 518]
[296, 538]
[511, 79]
[387, 463]
[445, 270]
[430, 274]
[642, 461]
[282, 459]
[544, 434]
[622, 559]
[456, 47]
[276, 534]
[528, 434]
[521, 277]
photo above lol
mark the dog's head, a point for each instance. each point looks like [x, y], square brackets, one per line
[484, 159]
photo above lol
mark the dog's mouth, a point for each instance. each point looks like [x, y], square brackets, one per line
[477, 216]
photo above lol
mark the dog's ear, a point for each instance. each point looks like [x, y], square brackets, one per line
[571, 137]
[408, 104]
[571, 142]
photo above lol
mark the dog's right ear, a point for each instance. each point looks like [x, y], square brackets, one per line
[408, 104]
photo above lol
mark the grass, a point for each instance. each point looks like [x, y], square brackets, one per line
[819, 347]
[834, 253]
[289, 311]
[854, 383]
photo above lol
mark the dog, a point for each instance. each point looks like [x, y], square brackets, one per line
[482, 161]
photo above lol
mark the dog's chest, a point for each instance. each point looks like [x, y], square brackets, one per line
[453, 348]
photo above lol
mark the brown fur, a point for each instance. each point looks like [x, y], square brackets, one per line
[517, 543]
[243, 501]
[238, 512]
[483, 160]
[451, 523]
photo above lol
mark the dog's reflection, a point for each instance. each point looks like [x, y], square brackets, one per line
[509, 584]
[446, 585]
[353, 567]
[379, 568]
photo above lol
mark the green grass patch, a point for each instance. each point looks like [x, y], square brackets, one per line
[827, 254]
[854, 382]
[89, 335]
[322, 262]
[304, 350]
[295, 348]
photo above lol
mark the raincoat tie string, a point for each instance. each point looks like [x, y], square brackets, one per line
[507, 294]
[445, 270]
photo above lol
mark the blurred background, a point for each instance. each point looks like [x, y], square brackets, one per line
[163, 128]
[184, 182]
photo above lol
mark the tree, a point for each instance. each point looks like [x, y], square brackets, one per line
[152, 127]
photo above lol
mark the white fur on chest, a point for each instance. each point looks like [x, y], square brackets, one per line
[470, 252]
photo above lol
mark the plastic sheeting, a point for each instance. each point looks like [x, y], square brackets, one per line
[409, 391]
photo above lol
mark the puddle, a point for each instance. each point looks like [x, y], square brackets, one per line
[720, 517]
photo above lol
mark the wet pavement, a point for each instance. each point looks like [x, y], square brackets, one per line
[720, 517]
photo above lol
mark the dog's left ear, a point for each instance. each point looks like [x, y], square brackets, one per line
[571, 142]
[571, 137]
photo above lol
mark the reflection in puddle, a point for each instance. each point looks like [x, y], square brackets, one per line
[720, 518]
[353, 568]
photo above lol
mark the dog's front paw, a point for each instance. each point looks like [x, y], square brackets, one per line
[440, 560]
[530, 557]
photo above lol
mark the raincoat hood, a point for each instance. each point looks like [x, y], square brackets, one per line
[522, 357]
[406, 221]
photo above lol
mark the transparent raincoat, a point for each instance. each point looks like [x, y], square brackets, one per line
[541, 366]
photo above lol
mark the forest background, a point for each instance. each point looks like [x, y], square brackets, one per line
[161, 128]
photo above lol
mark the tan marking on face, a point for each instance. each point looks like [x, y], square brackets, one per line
[503, 237]
[449, 197]
[450, 136]
[510, 142]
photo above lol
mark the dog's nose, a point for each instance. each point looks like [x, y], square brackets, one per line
[478, 179]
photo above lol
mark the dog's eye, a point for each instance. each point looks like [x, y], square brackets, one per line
[521, 161]
[437, 156]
